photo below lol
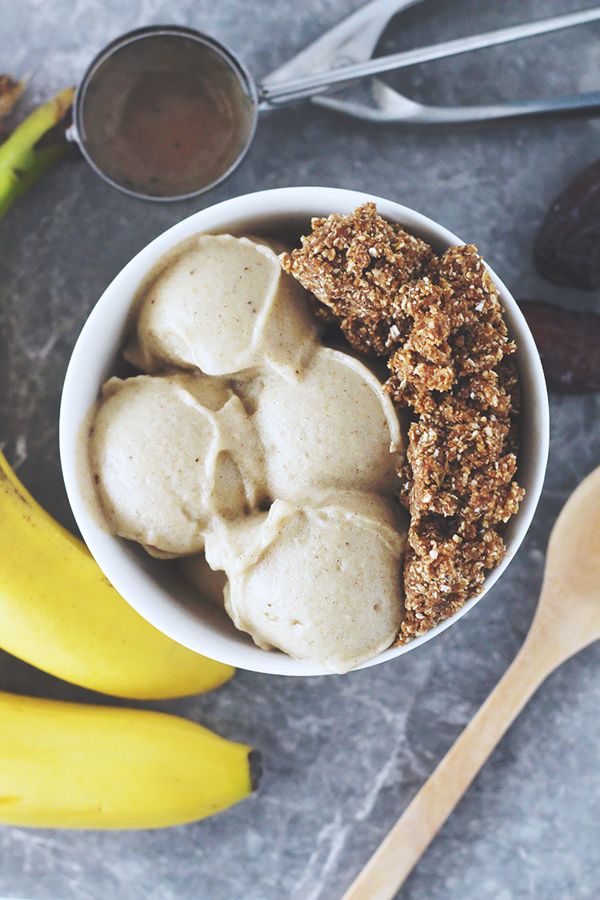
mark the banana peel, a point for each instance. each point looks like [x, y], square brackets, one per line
[59, 613]
[34, 147]
[67, 765]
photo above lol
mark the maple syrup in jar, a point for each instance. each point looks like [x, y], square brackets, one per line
[165, 113]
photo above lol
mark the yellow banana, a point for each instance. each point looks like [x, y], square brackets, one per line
[67, 765]
[58, 612]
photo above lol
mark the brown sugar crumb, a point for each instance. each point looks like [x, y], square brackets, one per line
[440, 323]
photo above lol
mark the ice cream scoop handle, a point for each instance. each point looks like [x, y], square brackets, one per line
[395, 858]
[272, 95]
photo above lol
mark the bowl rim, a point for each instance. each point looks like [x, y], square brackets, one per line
[115, 303]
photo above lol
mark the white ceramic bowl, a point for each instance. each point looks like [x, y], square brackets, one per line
[154, 589]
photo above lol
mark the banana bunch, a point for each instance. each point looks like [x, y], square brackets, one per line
[66, 765]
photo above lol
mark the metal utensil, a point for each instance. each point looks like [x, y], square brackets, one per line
[339, 57]
[347, 48]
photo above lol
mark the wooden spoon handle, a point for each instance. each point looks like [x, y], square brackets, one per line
[393, 861]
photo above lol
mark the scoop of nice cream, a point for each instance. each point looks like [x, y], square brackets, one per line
[264, 459]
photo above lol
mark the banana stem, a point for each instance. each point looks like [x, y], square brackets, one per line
[23, 156]
[10, 93]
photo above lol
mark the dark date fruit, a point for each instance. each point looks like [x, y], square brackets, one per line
[567, 245]
[569, 346]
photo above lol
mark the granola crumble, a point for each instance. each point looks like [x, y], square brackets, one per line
[439, 322]
[354, 265]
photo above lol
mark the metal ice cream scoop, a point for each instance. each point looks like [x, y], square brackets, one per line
[166, 112]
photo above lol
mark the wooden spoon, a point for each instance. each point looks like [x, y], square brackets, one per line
[567, 619]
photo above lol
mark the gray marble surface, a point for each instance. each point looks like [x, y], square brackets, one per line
[343, 755]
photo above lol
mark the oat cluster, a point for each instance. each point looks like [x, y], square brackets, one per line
[354, 265]
[439, 322]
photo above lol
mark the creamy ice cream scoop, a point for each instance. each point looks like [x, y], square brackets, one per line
[223, 306]
[330, 425]
[319, 580]
[170, 453]
[242, 407]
